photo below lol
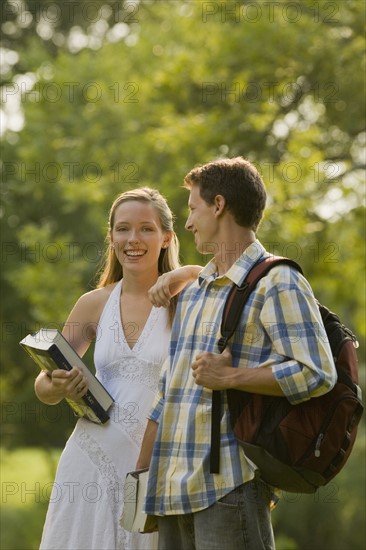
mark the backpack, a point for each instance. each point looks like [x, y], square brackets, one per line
[297, 448]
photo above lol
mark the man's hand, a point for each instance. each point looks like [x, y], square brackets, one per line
[214, 370]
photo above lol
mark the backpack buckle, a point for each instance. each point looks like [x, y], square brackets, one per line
[222, 343]
[242, 287]
[359, 392]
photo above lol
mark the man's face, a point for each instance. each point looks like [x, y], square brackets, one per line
[201, 221]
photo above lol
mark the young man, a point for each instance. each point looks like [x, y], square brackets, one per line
[279, 348]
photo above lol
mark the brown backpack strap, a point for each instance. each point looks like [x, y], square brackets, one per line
[233, 308]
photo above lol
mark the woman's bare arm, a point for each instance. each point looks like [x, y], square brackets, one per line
[171, 283]
[79, 331]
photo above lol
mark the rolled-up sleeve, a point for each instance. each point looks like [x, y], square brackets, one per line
[303, 364]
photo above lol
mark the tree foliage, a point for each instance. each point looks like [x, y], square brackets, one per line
[100, 97]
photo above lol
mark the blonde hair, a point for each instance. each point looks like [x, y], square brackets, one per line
[111, 270]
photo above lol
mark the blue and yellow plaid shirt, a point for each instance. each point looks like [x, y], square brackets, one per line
[280, 328]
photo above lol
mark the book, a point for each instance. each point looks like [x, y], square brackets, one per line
[50, 350]
[133, 517]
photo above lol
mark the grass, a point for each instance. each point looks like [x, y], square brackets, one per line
[26, 482]
[335, 513]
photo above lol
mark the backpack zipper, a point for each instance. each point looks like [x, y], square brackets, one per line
[317, 445]
[325, 425]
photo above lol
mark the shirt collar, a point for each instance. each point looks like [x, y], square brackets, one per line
[238, 271]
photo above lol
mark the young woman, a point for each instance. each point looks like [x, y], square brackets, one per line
[131, 342]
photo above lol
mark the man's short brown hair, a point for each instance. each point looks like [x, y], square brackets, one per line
[238, 181]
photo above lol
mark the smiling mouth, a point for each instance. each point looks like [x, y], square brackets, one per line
[135, 253]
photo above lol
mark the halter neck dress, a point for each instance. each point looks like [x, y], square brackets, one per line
[86, 502]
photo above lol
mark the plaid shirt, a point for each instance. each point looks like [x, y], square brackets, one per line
[281, 328]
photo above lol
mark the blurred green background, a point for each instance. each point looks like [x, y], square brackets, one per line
[100, 97]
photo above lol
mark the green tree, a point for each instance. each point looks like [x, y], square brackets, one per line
[172, 93]
[139, 93]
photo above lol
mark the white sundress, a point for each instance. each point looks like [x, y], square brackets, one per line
[87, 497]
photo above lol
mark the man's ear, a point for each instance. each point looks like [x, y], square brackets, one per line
[220, 203]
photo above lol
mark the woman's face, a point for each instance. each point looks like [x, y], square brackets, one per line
[137, 236]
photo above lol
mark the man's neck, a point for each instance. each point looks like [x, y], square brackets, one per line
[232, 247]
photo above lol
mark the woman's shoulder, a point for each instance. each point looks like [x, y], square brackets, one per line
[85, 315]
[101, 292]
[98, 296]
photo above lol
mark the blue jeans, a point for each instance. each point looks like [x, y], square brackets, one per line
[239, 521]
